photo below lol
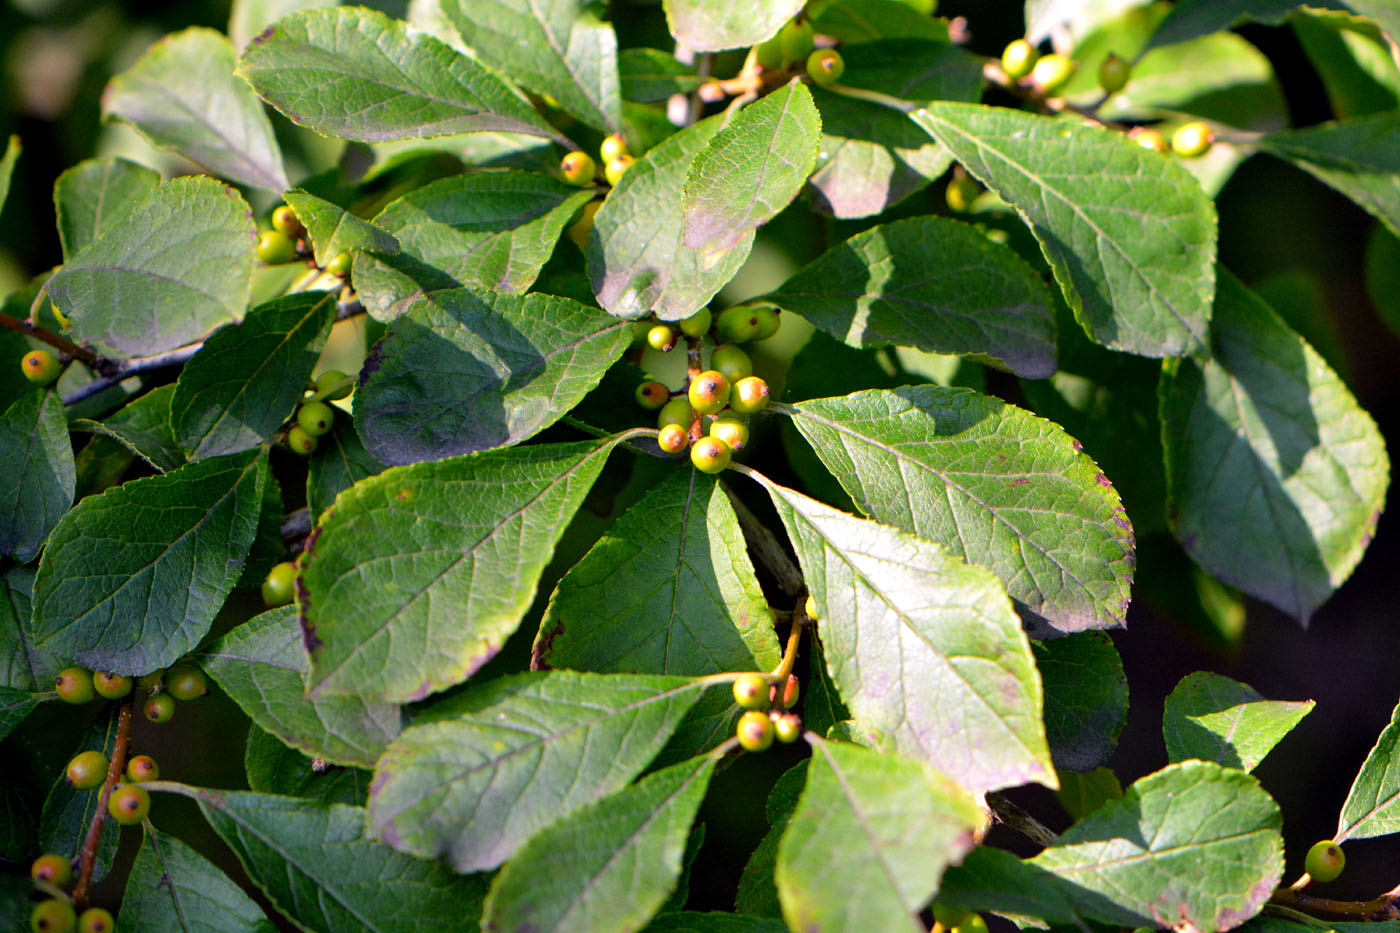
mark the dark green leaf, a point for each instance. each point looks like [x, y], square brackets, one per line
[23, 665]
[172, 887]
[15, 705]
[67, 813]
[856, 22]
[711, 25]
[268, 548]
[1086, 698]
[1082, 794]
[273, 768]
[1192, 18]
[95, 195]
[651, 75]
[1214, 718]
[7, 167]
[691, 921]
[143, 427]
[1358, 157]
[37, 475]
[1372, 806]
[334, 230]
[340, 462]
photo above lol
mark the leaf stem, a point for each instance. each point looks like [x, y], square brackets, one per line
[87, 859]
[794, 640]
[62, 344]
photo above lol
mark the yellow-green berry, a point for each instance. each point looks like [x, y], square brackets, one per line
[330, 379]
[672, 438]
[1114, 72]
[276, 248]
[142, 768]
[661, 337]
[676, 411]
[616, 168]
[652, 394]
[159, 707]
[280, 586]
[733, 431]
[825, 66]
[796, 41]
[612, 147]
[738, 324]
[732, 361]
[339, 266]
[316, 418]
[86, 770]
[1325, 861]
[185, 682]
[301, 441]
[150, 683]
[810, 608]
[53, 916]
[787, 727]
[285, 221]
[40, 367]
[579, 230]
[1148, 138]
[74, 685]
[709, 455]
[52, 868]
[962, 190]
[129, 804]
[749, 395]
[698, 324]
[755, 731]
[972, 924]
[768, 321]
[751, 691]
[769, 54]
[1052, 72]
[709, 392]
[111, 686]
[1192, 139]
[96, 920]
[1018, 58]
[578, 168]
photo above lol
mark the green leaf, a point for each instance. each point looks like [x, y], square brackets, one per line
[67, 813]
[1086, 698]
[260, 665]
[651, 75]
[250, 17]
[313, 862]
[1087, 194]
[95, 195]
[23, 665]
[354, 73]
[173, 887]
[1372, 806]
[863, 820]
[7, 167]
[1192, 18]
[1072, 19]
[1195, 843]
[636, 260]
[182, 94]
[668, 590]
[143, 427]
[132, 578]
[37, 475]
[248, 378]
[712, 25]
[520, 753]
[174, 268]
[1358, 157]
[931, 283]
[460, 372]
[751, 169]
[872, 157]
[992, 879]
[15, 705]
[492, 231]
[994, 484]
[1352, 57]
[341, 461]
[274, 768]
[559, 48]
[1214, 718]
[1275, 475]
[855, 22]
[609, 865]
[1082, 794]
[418, 575]
[335, 230]
[926, 650]
[694, 921]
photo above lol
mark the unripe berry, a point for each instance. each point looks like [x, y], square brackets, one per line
[280, 586]
[792, 689]
[949, 916]
[580, 229]
[1114, 73]
[733, 431]
[787, 727]
[40, 367]
[53, 916]
[676, 411]
[709, 455]
[733, 362]
[52, 868]
[612, 147]
[185, 682]
[661, 337]
[652, 394]
[708, 392]
[750, 395]
[300, 441]
[129, 804]
[962, 190]
[751, 691]
[738, 324]
[1018, 58]
[285, 221]
[672, 438]
[276, 248]
[810, 607]
[316, 418]
[332, 378]
[698, 324]
[142, 768]
[86, 770]
[1192, 139]
[1052, 72]
[768, 321]
[825, 66]
[796, 41]
[769, 54]
[755, 731]
[616, 168]
[159, 707]
[339, 266]
[578, 168]
[151, 682]
[1325, 861]
[111, 686]
[972, 924]
[74, 685]
[96, 920]
[1148, 138]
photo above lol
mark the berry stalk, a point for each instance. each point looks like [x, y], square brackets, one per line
[87, 858]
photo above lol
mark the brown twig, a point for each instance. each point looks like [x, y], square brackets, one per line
[62, 344]
[87, 859]
[1013, 817]
[1385, 907]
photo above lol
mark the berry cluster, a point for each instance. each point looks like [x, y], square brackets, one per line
[958, 920]
[579, 168]
[287, 242]
[314, 418]
[766, 715]
[795, 46]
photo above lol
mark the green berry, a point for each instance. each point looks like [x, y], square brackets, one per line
[698, 324]
[733, 431]
[612, 147]
[962, 190]
[129, 804]
[96, 920]
[280, 586]
[810, 608]
[792, 689]
[339, 266]
[286, 222]
[750, 395]
[769, 54]
[1148, 138]
[751, 691]
[331, 378]
[738, 324]
[676, 411]
[141, 769]
[709, 392]
[755, 731]
[151, 682]
[787, 727]
[52, 868]
[709, 455]
[40, 367]
[825, 66]
[1052, 72]
[579, 230]
[111, 686]
[300, 441]
[732, 361]
[159, 707]
[1192, 139]
[652, 394]
[1325, 861]
[672, 438]
[796, 41]
[578, 168]
[1114, 73]
[316, 418]
[185, 682]
[1018, 58]
[768, 321]
[276, 248]
[973, 924]
[74, 685]
[662, 338]
[616, 168]
[53, 916]
[86, 770]
[949, 916]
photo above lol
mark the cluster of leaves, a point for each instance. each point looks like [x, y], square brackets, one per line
[935, 527]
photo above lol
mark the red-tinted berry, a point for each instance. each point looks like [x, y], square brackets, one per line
[787, 727]
[652, 394]
[53, 916]
[709, 455]
[52, 868]
[750, 395]
[672, 438]
[129, 804]
[709, 391]
[578, 168]
[159, 707]
[733, 431]
[74, 685]
[40, 367]
[96, 920]
[86, 770]
[751, 691]
[755, 731]
[111, 686]
[792, 689]
[141, 769]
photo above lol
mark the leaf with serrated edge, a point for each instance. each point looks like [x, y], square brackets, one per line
[96, 194]
[248, 378]
[1275, 475]
[504, 760]
[1193, 844]
[341, 461]
[274, 768]
[182, 94]
[461, 371]
[143, 427]
[713, 25]
[353, 73]
[927, 651]
[23, 666]
[751, 169]
[1359, 157]
[177, 266]
[313, 862]
[1214, 718]
[334, 230]
[173, 887]
[933, 284]
[133, 577]
[668, 590]
[260, 665]
[37, 474]
[416, 577]
[1372, 806]
[608, 865]
[1086, 698]
[991, 482]
[862, 820]
[1087, 194]
[636, 260]
[7, 166]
